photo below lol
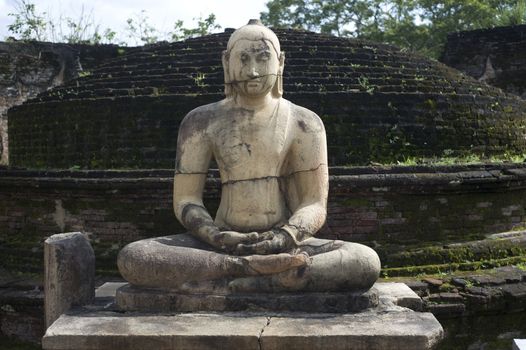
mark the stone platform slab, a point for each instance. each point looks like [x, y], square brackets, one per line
[388, 326]
[377, 329]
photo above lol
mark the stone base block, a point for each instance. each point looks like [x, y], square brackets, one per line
[130, 298]
[387, 326]
[377, 329]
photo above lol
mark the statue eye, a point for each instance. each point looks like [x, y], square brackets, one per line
[264, 56]
[244, 57]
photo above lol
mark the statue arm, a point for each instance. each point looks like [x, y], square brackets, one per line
[309, 179]
[193, 157]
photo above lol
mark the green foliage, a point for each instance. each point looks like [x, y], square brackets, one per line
[79, 30]
[514, 16]
[417, 25]
[29, 24]
[448, 158]
[204, 26]
[365, 85]
[140, 30]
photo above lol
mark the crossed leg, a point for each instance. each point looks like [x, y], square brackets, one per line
[181, 262]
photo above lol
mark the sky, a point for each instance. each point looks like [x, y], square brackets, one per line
[162, 14]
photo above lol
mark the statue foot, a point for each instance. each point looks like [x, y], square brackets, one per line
[287, 281]
[274, 263]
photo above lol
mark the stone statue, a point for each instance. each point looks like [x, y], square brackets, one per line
[272, 160]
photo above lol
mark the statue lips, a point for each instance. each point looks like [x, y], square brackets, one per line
[253, 85]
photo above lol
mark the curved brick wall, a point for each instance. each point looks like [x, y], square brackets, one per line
[378, 104]
[379, 206]
[496, 56]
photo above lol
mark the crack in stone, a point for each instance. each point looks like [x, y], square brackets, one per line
[254, 78]
[231, 182]
[190, 173]
[260, 346]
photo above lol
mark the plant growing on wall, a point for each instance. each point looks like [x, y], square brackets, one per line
[28, 24]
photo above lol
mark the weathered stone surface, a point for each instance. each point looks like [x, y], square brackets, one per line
[433, 282]
[461, 282]
[446, 297]
[110, 331]
[486, 280]
[399, 294]
[386, 328]
[446, 309]
[511, 274]
[517, 290]
[419, 287]
[69, 263]
[367, 331]
[22, 313]
[108, 289]
[150, 300]
[515, 295]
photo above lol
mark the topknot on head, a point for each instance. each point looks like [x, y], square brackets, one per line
[255, 21]
[254, 30]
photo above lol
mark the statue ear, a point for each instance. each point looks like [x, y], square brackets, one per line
[228, 86]
[277, 89]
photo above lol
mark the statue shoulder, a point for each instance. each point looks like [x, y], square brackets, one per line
[201, 117]
[306, 120]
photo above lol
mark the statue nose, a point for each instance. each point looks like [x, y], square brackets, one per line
[253, 73]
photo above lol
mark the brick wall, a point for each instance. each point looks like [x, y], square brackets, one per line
[377, 206]
[378, 105]
[496, 56]
[29, 68]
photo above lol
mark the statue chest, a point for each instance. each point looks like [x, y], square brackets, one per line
[250, 147]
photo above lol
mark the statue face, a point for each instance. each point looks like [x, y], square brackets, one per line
[253, 67]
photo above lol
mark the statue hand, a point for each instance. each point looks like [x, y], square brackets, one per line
[269, 242]
[228, 240]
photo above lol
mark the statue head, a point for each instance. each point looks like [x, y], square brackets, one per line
[253, 62]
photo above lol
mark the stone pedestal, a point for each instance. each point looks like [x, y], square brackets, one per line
[388, 326]
[132, 298]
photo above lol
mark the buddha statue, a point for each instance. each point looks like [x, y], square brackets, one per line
[272, 160]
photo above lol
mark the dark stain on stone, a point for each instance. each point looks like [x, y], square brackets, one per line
[190, 125]
[301, 271]
[302, 125]
[247, 146]
[195, 216]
